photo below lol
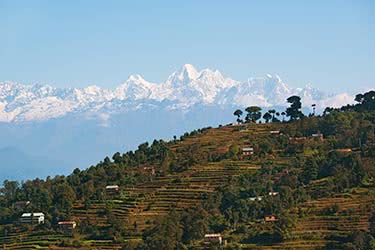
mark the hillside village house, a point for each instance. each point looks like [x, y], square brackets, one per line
[275, 132]
[297, 140]
[273, 193]
[32, 218]
[318, 136]
[150, 170]
[112, 189]
[271, 218]
[247, 151]
[259, 198]
[343, 150]
[67, 226]
[20, 205]
[213, 238]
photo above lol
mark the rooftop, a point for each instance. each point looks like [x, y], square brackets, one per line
[212, 235]
[66, 222]
[247, 149]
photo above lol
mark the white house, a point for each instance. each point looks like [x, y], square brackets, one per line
[247, 151]
[32, 218]
[259, 198]
[213, 238]
[112, 189]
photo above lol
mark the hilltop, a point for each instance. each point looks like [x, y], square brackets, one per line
[302, 184]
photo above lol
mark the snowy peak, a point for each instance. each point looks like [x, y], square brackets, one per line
[188, 71]
[134, 88]
[183, 89]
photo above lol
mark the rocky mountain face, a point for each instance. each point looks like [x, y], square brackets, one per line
[183, 89]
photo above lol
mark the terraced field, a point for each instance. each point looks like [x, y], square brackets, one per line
[146, 202]
[139, 206]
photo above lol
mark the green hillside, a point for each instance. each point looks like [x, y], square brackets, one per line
[303, 184]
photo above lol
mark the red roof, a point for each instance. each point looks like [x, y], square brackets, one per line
[67, 222]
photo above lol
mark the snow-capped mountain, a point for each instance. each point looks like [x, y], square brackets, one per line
[182, 90]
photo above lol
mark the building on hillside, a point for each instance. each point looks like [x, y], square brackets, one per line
[247, 151]
[318, 136]
[258, 198]
[343, 150]
[273, 193]
[271, 218]
[112, 189]
[213, 239]
[275, 132]
[150, 170]
[20, 205]
[67, 226]
[32, 218]
[297, 140]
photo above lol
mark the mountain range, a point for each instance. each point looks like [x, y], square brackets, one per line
[182, 90]
[46, 130]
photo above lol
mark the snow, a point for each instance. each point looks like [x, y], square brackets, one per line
[183, 89]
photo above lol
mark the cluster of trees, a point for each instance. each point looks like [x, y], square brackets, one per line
[254, 112]
[177, 230]
[365, 102]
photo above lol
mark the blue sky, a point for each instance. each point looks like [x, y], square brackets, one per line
[330, 44]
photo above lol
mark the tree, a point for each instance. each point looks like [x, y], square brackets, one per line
[366, 101]
[64, 196]
[313, 108]
[310, 171]
[294, 111]
[195, 224]
[253, 113]
[267, 116]
[117, 157]
[233, 152]
[167, 234]
[10, 190]
[274, 114]
[238, 113]
[283, 115]
[372, 224]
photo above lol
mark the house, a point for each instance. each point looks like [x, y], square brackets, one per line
[150, 170]
[271, 218]
[275, 132]
[213, 238]
[259, 198]
[247, 151]
[297, 140]
[67, 226]
[317, 136]
[20, 205]
[112, 189]
[273, 193]
[32, 218]
[343, 150]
